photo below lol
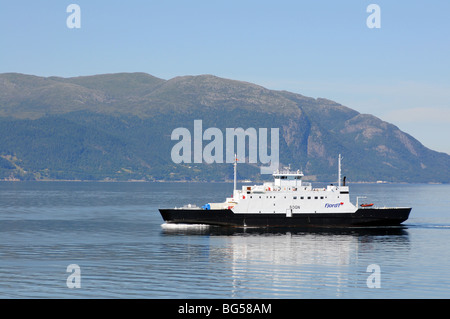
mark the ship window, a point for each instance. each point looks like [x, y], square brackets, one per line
[309, 197]
[315, 197]
[251, 197]
[295, 197]
[321, 197]
[302, 197]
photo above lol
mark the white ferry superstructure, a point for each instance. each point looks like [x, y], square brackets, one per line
[288, 201]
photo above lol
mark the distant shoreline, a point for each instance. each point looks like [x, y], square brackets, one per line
[185, 181]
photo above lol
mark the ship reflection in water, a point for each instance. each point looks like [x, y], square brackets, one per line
[294, 263]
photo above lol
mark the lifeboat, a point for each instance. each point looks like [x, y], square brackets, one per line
[367, 205]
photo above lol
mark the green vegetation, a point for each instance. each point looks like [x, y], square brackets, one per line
[118, 127]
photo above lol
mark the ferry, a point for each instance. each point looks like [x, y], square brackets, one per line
[288, 201]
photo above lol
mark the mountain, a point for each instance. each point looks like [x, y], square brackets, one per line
[119, 126]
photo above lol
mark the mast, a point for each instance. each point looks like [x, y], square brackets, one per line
[235, 166]
[339, 170]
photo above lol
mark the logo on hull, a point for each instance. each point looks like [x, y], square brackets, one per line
[337, 205]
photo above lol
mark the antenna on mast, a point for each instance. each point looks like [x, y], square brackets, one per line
[339, 170]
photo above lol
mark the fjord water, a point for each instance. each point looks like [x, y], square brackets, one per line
[114, 233]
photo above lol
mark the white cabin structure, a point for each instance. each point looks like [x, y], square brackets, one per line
[289, 195]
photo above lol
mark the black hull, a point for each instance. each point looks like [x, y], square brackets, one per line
[226, 217]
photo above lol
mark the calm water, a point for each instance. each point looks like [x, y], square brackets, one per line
[113, 232]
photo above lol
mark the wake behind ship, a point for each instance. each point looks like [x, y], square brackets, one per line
[288, 202]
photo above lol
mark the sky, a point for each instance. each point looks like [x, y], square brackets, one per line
[398, 71]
